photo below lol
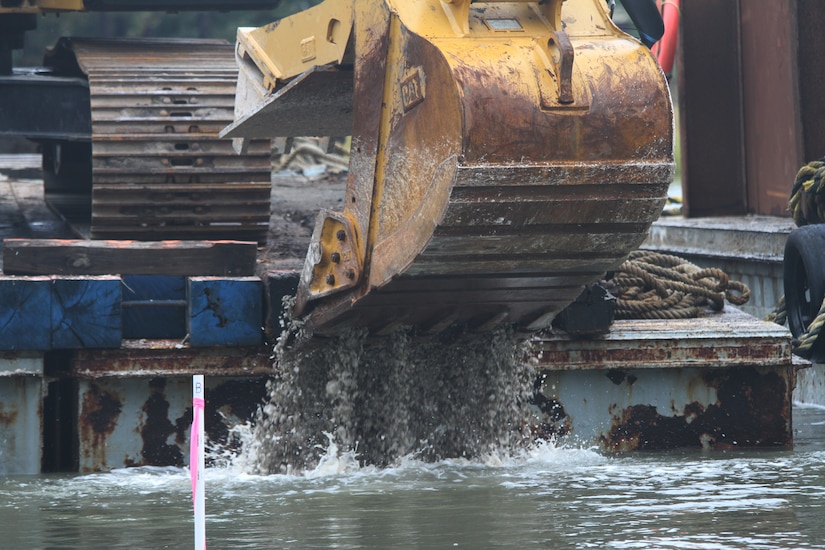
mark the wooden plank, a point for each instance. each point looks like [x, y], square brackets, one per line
[86, 312]
[80, 257]
[25, 313]
[225, 312]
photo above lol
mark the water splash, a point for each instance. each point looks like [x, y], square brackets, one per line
[456, 395]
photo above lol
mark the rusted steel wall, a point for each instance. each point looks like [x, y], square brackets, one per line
[716, 382]
[710, 104]
[21, 413]
[773, 130]
[125, 422]
[134, 405]
[645, 409]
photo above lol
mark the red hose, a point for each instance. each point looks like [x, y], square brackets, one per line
[665, 49]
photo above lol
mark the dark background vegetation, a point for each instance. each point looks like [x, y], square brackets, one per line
[199, 24]
[195, 24]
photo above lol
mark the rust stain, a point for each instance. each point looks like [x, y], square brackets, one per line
[99, 414]
[167, 360]
[664, 353]
[157, 428]
[8, 416]
[618, 376]
[640, 427]
[552, 421]
[753, 410]
[164, 438]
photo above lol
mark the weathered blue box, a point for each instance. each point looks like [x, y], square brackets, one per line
[25, 313]
[86, 312]
[225, 312]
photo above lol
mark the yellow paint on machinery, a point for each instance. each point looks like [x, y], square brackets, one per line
[40, 6]
[504, 154]
[296, 41]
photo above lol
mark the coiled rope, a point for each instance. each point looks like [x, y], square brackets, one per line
[650, 285]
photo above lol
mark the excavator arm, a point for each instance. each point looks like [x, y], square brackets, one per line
[504, 153]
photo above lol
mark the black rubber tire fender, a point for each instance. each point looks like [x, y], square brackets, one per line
[804, 272]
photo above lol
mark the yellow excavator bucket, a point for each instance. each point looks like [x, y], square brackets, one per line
[504, 154]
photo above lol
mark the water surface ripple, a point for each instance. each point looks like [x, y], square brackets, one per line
[545, 498]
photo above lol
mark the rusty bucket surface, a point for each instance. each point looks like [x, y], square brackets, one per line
[504, 154]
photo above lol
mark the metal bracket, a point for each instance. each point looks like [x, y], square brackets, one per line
[560, 40]
[332, 263]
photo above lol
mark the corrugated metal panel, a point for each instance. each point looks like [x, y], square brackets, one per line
[21, 413]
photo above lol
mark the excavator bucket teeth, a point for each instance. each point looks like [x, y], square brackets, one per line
[504, 155]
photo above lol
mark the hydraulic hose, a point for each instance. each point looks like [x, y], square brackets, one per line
[647, 19]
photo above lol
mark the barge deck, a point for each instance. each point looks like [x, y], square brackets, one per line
[95, 370]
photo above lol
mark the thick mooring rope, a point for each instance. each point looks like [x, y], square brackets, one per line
[803, 345]
[807, 201]
[651, 285]
[807, 206]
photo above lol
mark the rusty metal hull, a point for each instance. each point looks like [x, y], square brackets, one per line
[719, 382]
[643, 409]
[158, 168]
[134, 405]
[21, 413]
[125, 422]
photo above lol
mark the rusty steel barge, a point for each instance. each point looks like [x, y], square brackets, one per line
[107, 383]
[505, 154]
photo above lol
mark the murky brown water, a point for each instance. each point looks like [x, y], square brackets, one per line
[545, 498]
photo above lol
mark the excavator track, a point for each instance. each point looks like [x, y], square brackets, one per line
[158, 168]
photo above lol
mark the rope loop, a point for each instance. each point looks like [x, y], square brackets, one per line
[651, 285]
[807, 340]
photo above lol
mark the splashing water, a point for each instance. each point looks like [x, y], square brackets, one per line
[373, 400]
